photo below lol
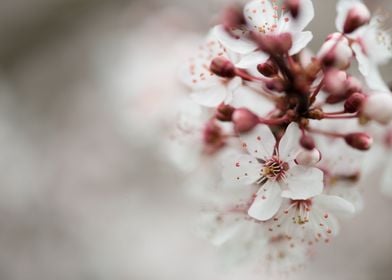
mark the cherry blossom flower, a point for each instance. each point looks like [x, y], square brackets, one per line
[262, 17]
[272, 167]
[208, 88]
[371, 44]
[311, 220]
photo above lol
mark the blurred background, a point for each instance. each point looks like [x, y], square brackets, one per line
[85, 191]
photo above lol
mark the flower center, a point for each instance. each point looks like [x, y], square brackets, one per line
[302, 210]
[275, 169]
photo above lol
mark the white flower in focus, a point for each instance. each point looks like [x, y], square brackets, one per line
[371, 44]
[272, 167]
[208, 88]
[311, 220]
[266, 17]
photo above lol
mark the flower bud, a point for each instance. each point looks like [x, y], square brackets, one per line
[354, 103]
[244, 120]
[293, 7]
[267, 69]
[353, 85]
[275, 44]
[233, 17]
[336, 52]
[360, 141]
[224, 113]
[335, 82]
[307, 142]
[308, 157]
[222, 67]
[378, 107]
[213, 137]
[357, 16]
[277, 85]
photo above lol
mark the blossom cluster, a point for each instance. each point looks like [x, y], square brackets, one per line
[275, 138]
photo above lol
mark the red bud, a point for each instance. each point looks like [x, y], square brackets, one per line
[244, 120]
[354, 103]
[224, 113]
[222, 67]
[360, 141]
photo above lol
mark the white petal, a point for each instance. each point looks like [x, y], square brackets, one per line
[303, 183]
[252, 60]
[260, 15]
[300, 41]
[260, 142]
[240, 170]
[289, 144]
[267, 202]
[292, 25]
[334, 204]
[211, 97]
[239, 44]
[375, 80]
[342, 9]
[362, 58]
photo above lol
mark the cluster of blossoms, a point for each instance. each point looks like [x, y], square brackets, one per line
[284, 134]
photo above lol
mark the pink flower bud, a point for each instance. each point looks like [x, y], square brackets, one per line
[293, 6]
[335, 82]
[274, 44]
[224, 113]
[308, 158]
[360, 141]
[244, 120]
[307, 142]
[378, 107]
[267, 69]
[277, 85]
[336, 52]
[213, 137]
[353, 85]
[233, 17]
[354, 102]
[357, 16]
[222, 67]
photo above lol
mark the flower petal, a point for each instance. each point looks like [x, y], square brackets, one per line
[303, 183]
[240, 170]
[342, 8]
[260, 16]
[252, 60]
[289, 143]
[239, 43]
[211, 97]
[334, 204]
[292, 25]
[300, 41]
[260, 142]
[267, 202]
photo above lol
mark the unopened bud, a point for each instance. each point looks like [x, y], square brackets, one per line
[233, 17]
[293, 6]
[267, 69]
[335, 82]
[307, 142]
[308, 158]
[336, 52]
[224, 113]
[213, 137]
[357, 16]
[244, 120]
[275, 44]
[360, 141]
[353, 85]
[378, 107]
[222, 67]
[354, 103]
[276, 84]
